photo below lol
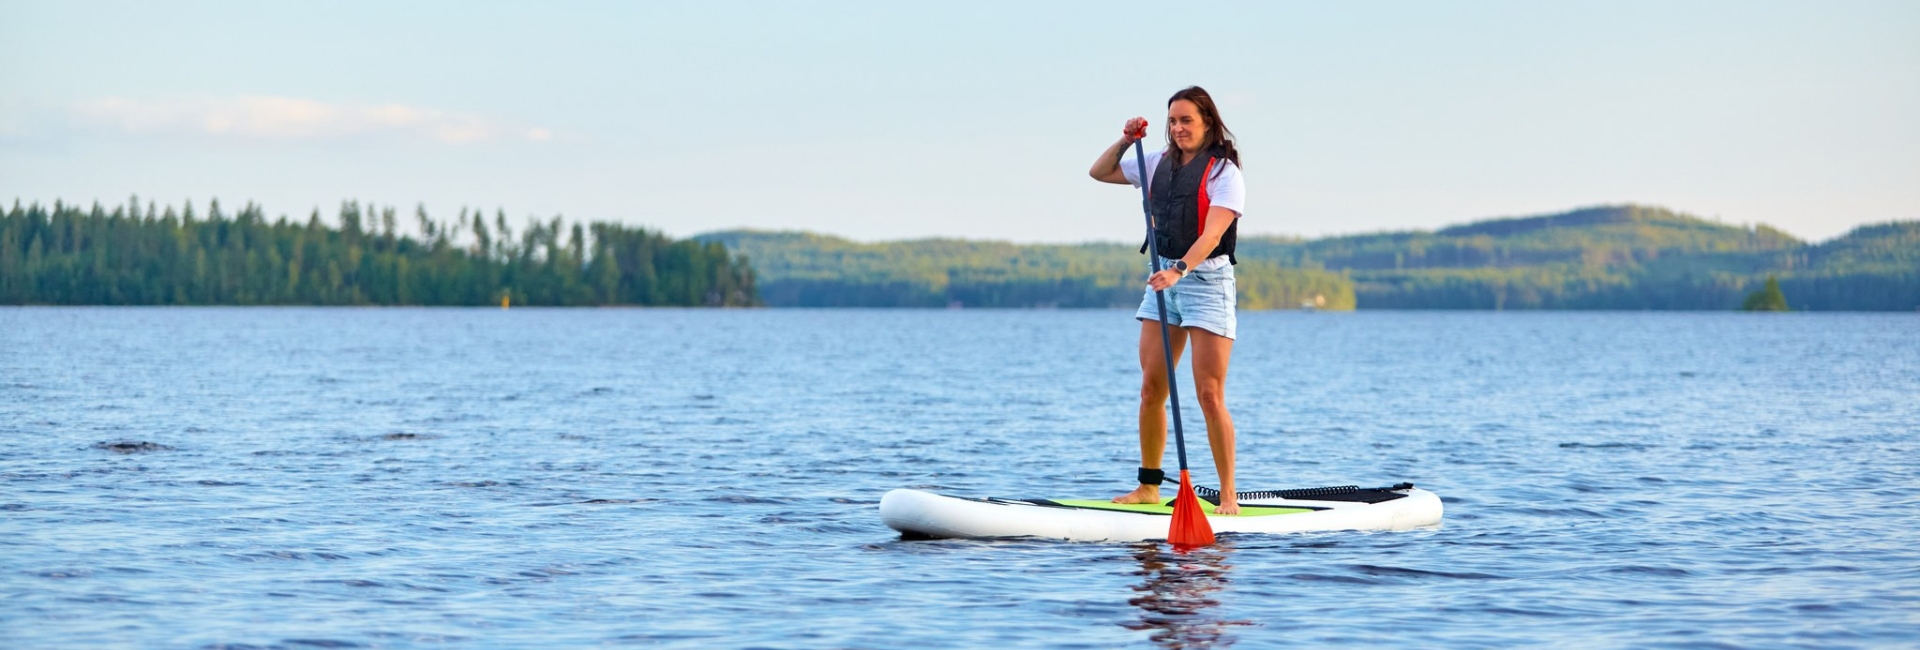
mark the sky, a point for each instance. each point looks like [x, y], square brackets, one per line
[893, 120]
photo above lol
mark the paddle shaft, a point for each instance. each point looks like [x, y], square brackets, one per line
[1160, 299]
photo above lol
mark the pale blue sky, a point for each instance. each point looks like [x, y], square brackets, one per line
[975, 119]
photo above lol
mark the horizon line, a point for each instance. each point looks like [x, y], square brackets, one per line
[371, 205]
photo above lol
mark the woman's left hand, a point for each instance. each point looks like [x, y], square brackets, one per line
[1165, 278]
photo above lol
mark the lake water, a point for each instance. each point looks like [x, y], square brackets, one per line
[365, 478]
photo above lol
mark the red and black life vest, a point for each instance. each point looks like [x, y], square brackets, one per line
[1179, 201]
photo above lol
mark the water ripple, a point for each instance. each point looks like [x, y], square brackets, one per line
[289, 478]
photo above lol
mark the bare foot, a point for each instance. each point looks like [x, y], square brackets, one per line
[1227, 507]
[1142, 494]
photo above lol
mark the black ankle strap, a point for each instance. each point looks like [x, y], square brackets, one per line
[1152, 476]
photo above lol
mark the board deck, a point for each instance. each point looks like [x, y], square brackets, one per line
[919, 514]
[1165, 508]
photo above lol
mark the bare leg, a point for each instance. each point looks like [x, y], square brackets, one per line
[1153, 404]
[1210, 355]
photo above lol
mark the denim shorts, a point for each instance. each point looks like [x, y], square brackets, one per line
[1203, 299]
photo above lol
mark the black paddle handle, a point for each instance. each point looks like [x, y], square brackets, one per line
[1160, 300]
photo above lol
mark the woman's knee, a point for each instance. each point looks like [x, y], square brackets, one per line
[1153, 389]
[1212, 397]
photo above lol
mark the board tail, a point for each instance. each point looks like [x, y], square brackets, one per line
[1189, 527]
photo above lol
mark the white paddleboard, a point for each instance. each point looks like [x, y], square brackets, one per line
[921, 514]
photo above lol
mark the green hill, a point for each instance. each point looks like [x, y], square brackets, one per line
[795, 269]
[1610, 257]
[1590, 237]
[1875, 267]
[1626, 257]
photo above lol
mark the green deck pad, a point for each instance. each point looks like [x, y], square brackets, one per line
[1164, 509]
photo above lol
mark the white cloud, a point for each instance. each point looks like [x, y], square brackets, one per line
[290, 118]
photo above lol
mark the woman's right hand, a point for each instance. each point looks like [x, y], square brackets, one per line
[1106, 168]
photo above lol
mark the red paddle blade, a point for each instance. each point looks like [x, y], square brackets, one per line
[1189, 527]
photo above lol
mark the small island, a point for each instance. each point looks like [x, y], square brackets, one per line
[1768, 298]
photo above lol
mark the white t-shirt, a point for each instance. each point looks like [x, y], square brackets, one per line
[1225, 189]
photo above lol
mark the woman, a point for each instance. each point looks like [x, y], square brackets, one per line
[1196, 195]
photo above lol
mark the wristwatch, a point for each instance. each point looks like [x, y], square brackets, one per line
[1181, 266]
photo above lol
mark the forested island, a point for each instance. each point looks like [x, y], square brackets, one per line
[148, 255]
[1612, 257]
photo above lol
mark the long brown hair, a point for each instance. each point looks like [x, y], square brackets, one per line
[1217, 134]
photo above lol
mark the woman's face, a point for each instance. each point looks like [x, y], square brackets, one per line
[1185, 125]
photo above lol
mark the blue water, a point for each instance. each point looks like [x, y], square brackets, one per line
[353, 478]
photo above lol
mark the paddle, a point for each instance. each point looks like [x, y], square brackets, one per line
[1189, 527]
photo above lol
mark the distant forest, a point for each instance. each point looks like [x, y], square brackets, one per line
[147, 255]
[1618, 257]
[809, 270]
[1613, 257]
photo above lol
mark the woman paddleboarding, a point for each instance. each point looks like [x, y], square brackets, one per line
[1196, 196]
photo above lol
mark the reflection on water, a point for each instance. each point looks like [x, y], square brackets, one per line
[1176, 592]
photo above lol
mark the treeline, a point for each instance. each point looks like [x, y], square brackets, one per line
[810, 270]
[1600, 238]
[1615, 257]
[1611, 257]
[149, 255]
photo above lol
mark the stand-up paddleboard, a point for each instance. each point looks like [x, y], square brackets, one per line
[918, 514]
